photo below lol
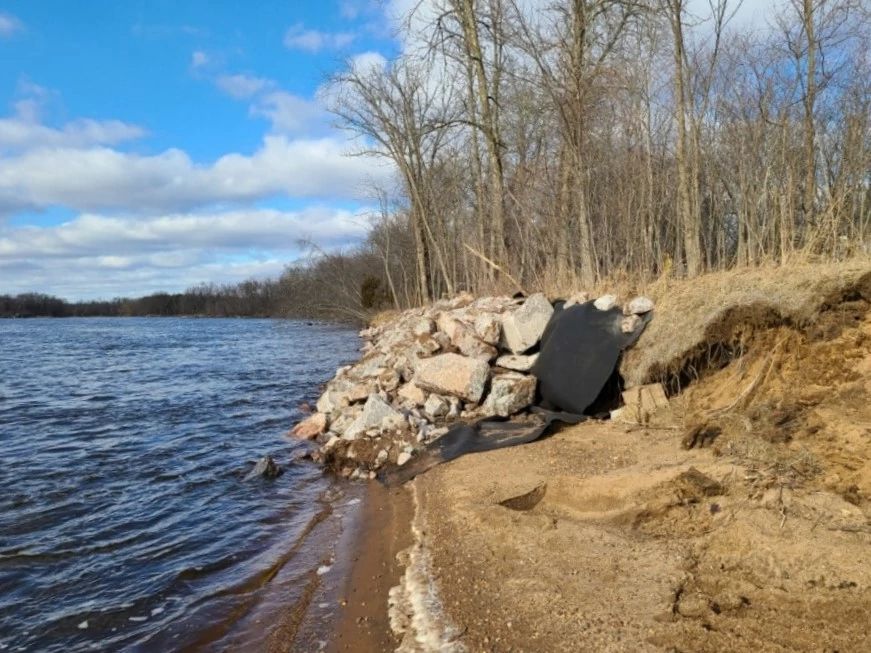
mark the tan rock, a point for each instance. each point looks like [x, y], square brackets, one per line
[488, 327]
[411, 394]
[311, 427]
[453, 374]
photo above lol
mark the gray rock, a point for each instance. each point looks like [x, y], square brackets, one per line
[377, 414]
[518, 363]
[639, 306]
[509, 394]
[436, 406]
[605, 302]
[452, 374]
[266, 467]
[522, 329]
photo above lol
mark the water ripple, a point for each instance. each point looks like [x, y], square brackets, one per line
[125, 443]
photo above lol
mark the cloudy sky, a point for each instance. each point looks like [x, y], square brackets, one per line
[153, 144]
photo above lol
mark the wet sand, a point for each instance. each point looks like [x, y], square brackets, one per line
[383, 530]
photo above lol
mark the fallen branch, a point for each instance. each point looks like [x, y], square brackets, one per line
[495, 266]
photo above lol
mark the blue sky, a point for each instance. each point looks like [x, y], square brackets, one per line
[151, 145]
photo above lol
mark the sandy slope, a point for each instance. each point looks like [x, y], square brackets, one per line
[613, 538]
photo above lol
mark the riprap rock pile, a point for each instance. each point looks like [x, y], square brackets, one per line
[457, 359]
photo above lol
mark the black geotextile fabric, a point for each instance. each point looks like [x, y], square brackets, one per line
[578, 358]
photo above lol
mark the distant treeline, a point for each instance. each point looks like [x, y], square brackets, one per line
[345, 286]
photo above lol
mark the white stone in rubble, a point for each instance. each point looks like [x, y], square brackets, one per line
[423, 327]
[436, 406]
[403, 458]
[517, 362]
[452, 374]
[640, 306]
[509, 394]
[522, 329]
[377, 414]
[605, 302]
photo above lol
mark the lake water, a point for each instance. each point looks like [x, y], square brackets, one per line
[125, 519]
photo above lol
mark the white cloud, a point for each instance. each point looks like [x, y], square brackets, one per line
[9, 25]
[368, 61]
[289, 113]
[243, 87]
[103, 256]
[100, 178]
[23, 132]
[100, 236]
[310, 40]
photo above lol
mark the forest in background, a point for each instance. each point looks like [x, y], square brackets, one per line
[558, 144]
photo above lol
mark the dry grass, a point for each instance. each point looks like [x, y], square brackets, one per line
[696, 317]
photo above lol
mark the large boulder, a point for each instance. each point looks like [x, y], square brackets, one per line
[509, 394]
[452, 374]
[522, 329]
[377, 413]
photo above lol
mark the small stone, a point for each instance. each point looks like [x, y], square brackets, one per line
[436, 406]
[83, 625]
[381, 458]
[605, 302]
[509, 394]
[522, 329]
[639, 306]
[310, 428]
[452, 374]
[517, 362]
[266, 467]
[403, 458]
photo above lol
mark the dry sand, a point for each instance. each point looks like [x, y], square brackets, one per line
[736, 520]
